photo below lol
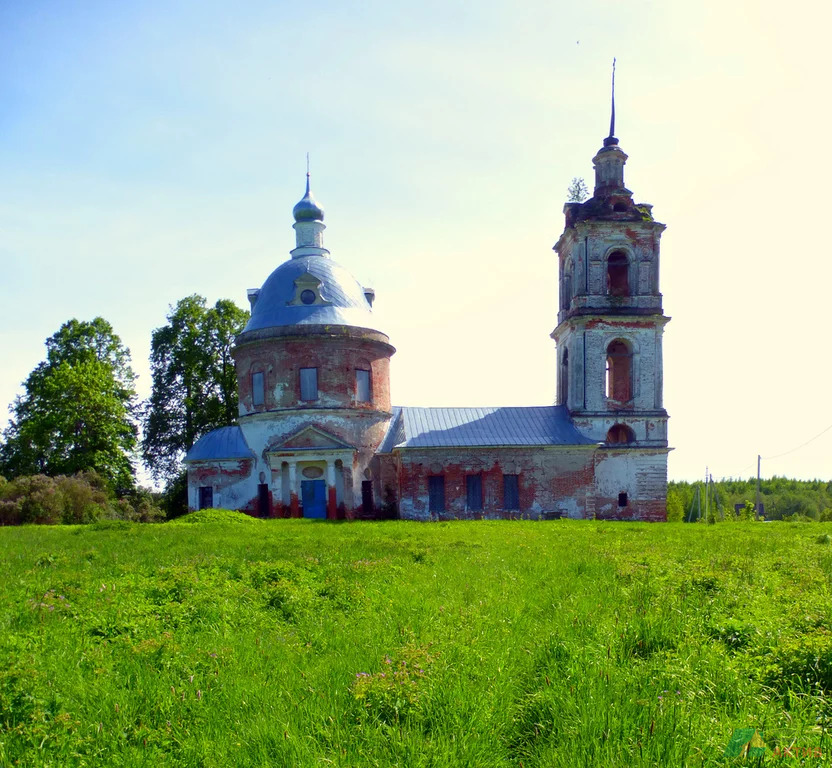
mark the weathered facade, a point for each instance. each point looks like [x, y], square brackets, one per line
[317, 435]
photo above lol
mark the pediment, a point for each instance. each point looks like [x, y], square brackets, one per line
[310, 438]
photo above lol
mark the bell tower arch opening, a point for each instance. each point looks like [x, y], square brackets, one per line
[618, 274]
[618, 383]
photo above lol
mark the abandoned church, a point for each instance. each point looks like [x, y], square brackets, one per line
[317, 435]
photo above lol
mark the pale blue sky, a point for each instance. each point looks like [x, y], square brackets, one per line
[152, 150]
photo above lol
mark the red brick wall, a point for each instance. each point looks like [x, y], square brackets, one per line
[552, 482]
[336, 357]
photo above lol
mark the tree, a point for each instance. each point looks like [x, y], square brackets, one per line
[78, 410]
[194, 386]
[577, 191]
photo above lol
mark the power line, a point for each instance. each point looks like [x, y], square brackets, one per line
[810, 440]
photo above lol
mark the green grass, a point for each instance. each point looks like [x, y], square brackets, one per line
[295, 643]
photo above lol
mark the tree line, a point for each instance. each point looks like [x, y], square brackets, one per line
[780, 499]
[79, 414]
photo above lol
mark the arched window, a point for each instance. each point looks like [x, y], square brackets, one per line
[618, 274]
[564, 377]
[620, 434]
[619, 379]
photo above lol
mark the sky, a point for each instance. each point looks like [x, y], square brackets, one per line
[149, 151]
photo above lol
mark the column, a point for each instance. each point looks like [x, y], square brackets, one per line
[293, 488]
[331, 502]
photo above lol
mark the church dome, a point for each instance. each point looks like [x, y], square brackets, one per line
[307, 209]
[312, 290]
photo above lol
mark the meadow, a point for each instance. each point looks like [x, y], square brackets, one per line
[219, 640]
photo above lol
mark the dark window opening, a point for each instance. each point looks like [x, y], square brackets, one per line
[258, 388]
[619, 372]
[367, 503]
[566, 291]
[620, 207]
[362, 386]
[206, 497]
[564, 378]
[436, 493]
[307, 296]
[620, 434]
[618, 277]
[511, 491]
[622, 499]
[263, 502]
[308, 383]
[473, 487]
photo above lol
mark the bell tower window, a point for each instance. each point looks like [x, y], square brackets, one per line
[619, 378]
[564, 378]
[618, 274]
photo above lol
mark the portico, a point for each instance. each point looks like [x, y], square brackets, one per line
[311, 474]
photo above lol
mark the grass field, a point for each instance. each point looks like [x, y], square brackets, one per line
[294, 643]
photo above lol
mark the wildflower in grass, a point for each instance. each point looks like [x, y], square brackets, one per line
[394, 694]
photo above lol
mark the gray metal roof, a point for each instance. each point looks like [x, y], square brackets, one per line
[470, 427]
[222, 443]
[346, 303]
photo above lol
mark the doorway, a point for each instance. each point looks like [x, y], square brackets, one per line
[263, 505]
[313, 498]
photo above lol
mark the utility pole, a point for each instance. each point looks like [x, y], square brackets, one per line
[757, 508]
[707, 494]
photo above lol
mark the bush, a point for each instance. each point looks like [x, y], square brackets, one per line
[78, 499]
[83, 499]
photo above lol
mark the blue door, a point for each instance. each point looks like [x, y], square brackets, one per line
[313, 498]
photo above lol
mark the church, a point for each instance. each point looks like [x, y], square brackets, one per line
[317, 435]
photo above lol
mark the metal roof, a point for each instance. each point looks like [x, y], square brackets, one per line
[346, 303]
[222, 443]
[470, 427]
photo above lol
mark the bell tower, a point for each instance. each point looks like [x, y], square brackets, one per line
[610, 318]
[609, 332]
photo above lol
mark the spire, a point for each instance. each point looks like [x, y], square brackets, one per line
[610, 160]
[611, 138]
[309, 224]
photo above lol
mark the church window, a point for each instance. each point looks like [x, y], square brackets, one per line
[564, 377]
[622, 499]
[307, 296]
[258, 389]
[473, 487]
[308, 383]
[362, 385]
[619, 372]
[618, 274]
[206, 497]
[620, 434]
[436, 493]
[511, 492]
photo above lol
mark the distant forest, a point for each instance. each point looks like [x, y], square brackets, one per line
[780, 499]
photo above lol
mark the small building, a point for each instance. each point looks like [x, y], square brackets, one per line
[317, 435]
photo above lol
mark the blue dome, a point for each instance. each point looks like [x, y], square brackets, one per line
[339, 298]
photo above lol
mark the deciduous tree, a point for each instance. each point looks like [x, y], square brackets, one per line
[78, 409]
[194, 380]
